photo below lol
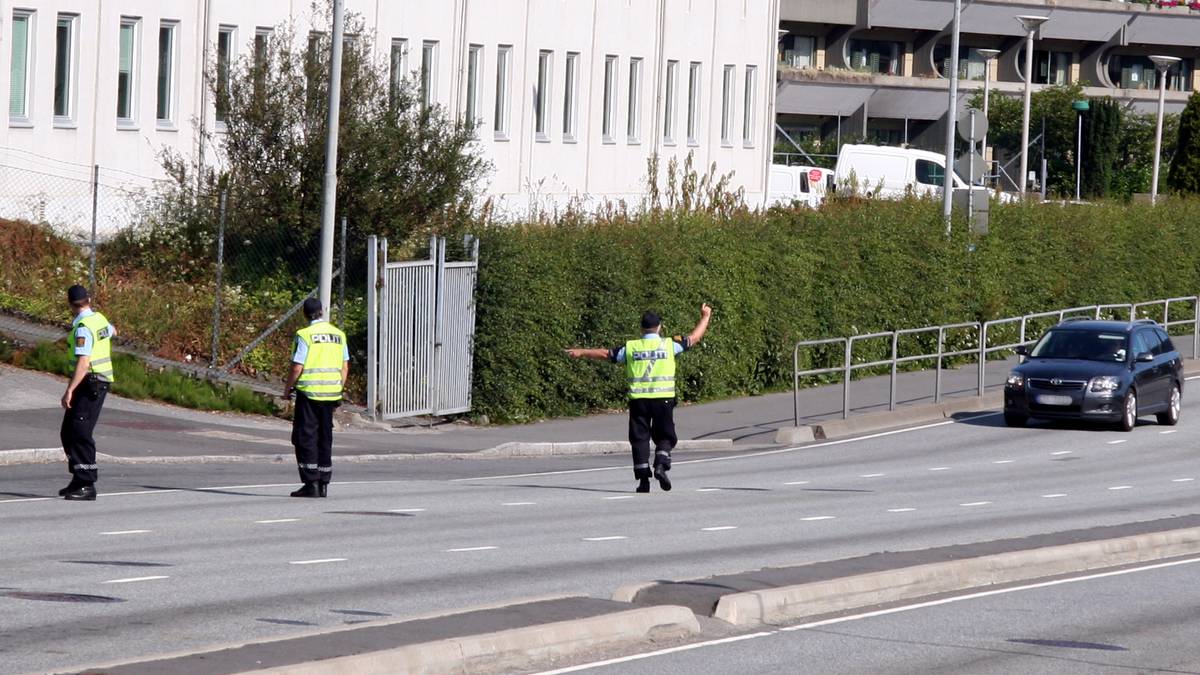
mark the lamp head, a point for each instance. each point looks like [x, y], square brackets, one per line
[988, 54]
[1031, 23]
[1165, 62]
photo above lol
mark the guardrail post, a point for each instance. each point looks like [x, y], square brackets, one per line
[937, 377]
[892, 384]
[796, 385]
[846, 381]
[1196, 329]
[982, 356]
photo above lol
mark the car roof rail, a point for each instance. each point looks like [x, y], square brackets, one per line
[1071, 319]
[1143, 322]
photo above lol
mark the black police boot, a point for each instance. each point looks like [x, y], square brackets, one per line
[322, 489]
[663, 482]
[83, 493]
[643, 485]
[309, 490]
[71, 487]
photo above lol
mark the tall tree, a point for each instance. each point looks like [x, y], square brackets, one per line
[1185, 167]
[1101, 147]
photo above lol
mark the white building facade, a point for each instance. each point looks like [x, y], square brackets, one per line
[572, 96]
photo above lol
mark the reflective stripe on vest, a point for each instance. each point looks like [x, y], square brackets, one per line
[326, 354]
[100, 363]
[650, 368]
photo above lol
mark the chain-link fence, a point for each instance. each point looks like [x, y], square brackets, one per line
[182, 273]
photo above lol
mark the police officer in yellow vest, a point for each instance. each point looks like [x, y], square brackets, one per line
[650, 371]
[91, 345]
[319, 368]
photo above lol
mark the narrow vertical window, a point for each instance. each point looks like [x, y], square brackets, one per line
[570, 95]
[64, 67]
[262, 60]
[609, 113]
[693, 113]
[20, 66]
[165, 91]
[633, 126]
[429, 73]
[748, 106]
[398, 68]
[503, 76]
[474, 65]
[127, 72]
[541, 96]
[727, 84]
[224, 70]
[669, 103]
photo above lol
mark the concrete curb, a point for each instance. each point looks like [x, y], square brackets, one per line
[510, 649]
[791, 603]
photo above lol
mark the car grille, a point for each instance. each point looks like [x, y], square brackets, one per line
[1057, 385]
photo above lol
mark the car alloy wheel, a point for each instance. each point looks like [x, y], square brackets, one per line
[1170, 416]
[1129, 417]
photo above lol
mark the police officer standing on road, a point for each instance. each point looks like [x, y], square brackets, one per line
[91, 344]
[650, 369]
[319, 368]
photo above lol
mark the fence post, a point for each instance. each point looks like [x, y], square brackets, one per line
[438, 301]
[892, 384]
[1196, 329]
[216, 326]
[95, 214]
[342, 281]
[982, 356]
[846, 380]
[372, 323]
[937, 377]
[796, 380]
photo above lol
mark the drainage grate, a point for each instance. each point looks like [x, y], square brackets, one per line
[58, 597]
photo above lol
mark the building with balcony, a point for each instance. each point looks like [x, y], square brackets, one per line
[877, 69]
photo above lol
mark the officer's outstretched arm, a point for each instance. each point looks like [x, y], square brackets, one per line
[597, 354]
[701, 328]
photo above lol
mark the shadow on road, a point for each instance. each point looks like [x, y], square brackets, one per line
[209, 491]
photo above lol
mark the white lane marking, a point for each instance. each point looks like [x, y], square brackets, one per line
[471, 548]
[133, 579]
[1056, 495]
[26, 499]
[216, 487]
[903, 510]
[661, 652]
[1004, 461]
[872, 475]
[318, 561]
[1194, 377]
[519, 504]
[864, 615]
[743, 455]
[816, 518]
[1169, 431]
[708, 489]
[277, 520]
[613, 538]
[720, 528]
[1117, 442]
[126, 532]
[1182, 480]
[975, 504]
[405, 510]
[940, 468]
[1063, 452]
[798, 482]
[1121, 487]
[619, 497]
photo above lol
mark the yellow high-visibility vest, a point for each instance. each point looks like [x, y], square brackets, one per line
[321, 379]
[101, 359]
[650, 367]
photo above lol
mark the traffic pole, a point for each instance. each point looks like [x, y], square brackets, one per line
[329, 187]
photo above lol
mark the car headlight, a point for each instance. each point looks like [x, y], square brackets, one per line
[1106, 384]
[1015, 380]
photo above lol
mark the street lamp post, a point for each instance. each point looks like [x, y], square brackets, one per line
[329, 184]
[1030, 24]
[988, 55]
[951, 118]
[1080, 107]
[1163, 63]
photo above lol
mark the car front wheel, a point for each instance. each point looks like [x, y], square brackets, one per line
[1170, 416]
[1129, 417]
[1016, 420]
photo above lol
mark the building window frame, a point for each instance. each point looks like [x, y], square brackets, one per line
[429, 72]
[570, 119]
[226, 54]
[397, 68]
[66, 74]
[633, 122]
[472, 111]
[542, 93]
[671, 85]
[167, 95]
[728, 77]
[501, 109]
[608, 115]
[695, 82]
[20, 114]
[127, 115]
[749, 99]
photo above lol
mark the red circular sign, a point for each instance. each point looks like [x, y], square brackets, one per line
[814, 176]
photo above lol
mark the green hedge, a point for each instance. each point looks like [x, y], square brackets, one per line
[787, 275]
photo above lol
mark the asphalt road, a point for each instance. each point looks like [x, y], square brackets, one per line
[1141, 620]
[201, 555]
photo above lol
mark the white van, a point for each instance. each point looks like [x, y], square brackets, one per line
[805, 184]
[892, 173]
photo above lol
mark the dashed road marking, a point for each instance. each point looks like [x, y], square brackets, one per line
[872, 475]
[470, 549]
[612, 538]
[1004, 461]
[1121, 487]
[1056, 495]
[1063, 452]
[619, 497]
[903, 510]
[719, 528]
[1117, 442]
[940, 468]
[1169, 431]
[519, 504]
[815, 518]
[277, 520]
[798, 482]
[125, 532]
[1182, 480]
[708, 489]
[405, 510]
[975, 504]
[134, 579]
[318, 561]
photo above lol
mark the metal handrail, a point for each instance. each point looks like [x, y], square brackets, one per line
[982, 331]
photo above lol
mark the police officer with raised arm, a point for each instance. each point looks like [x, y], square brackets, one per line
[318, 374]
[91, 345]
[650, 371]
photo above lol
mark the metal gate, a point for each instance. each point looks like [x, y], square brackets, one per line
[420, 332]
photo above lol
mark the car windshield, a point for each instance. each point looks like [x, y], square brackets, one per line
[1081, 344]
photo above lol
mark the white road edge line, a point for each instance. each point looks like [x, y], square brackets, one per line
[276, 520]
[519, 504]
[1117, 442]
[1169, 431]
[811, 519]
[471, 548]
[1063, 452]
[1004, 461]
[872, 475]
[619, 497]
[975, 504]
[612, 538]
[798, 482]
[903, 510]
[405, 510]
[1121, 487]
[1056, 495]
[316, 562]
[133, 579]
[1182, 480]
[125, 532]
[719, 528]
[940, 468]
[864, 615]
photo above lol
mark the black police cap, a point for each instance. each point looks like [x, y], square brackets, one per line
[651, 320]
[77, 293]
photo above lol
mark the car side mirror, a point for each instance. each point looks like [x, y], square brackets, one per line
[1145, 357]
[1022, 350]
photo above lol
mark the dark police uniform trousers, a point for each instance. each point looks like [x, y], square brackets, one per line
[312, 434]
[79, 421]
[651, 419]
